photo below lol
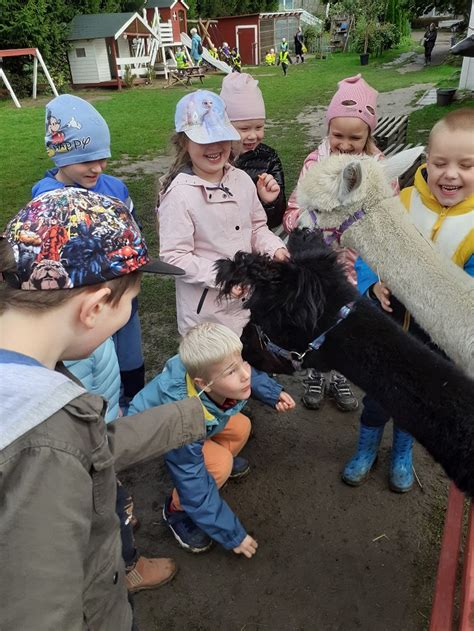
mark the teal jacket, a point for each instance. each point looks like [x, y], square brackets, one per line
[198, 493]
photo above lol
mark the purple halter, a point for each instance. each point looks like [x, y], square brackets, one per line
[336, 233]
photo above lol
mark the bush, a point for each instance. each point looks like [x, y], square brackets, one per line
[128, 77]
[381, 37]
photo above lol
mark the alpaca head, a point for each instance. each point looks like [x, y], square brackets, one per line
[291, 301]
[337, 187]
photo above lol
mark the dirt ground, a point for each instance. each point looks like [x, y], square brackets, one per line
[330, 557]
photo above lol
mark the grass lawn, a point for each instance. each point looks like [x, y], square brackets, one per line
[141, 122]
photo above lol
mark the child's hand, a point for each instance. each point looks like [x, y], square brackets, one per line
[285, 402]
[238, 291]
[383, 294]
[248, 547]
[268, 188]
[281, 254]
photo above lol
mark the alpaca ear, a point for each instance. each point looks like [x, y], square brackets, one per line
[350, 180]
[400, 162]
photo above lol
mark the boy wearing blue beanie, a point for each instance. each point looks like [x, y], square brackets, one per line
[77, 139]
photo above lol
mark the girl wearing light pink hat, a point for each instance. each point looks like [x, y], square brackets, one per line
[246, 110]
[351, 118]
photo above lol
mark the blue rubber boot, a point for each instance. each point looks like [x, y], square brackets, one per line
[358, 468]
[401, 467]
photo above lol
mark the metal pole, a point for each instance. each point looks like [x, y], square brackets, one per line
[9, 87]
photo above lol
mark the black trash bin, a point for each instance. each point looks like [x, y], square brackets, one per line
[364, 59]
[445, 96]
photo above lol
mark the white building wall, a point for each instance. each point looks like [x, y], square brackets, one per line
[466, 80]
[83, 69]
[102, 59]
[123, 48]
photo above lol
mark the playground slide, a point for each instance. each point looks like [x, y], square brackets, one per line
[217, 63]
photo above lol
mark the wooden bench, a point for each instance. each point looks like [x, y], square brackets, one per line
[184, 76]
[391, 130]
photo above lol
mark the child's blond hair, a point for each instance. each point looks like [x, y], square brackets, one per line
[461, 119]
[206, 344]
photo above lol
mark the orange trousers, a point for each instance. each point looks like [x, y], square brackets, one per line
[219, 451]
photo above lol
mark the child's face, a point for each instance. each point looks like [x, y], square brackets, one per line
[348, 135]
[209, 160]
[229, 379]
[450, 166]
[251, 133]
[84, 174]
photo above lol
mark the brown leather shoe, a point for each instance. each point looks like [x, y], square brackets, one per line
[150, 573]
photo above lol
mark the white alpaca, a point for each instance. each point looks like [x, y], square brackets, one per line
[351, 198]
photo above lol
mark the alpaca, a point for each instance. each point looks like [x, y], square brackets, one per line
[355, 195]
[304, 313]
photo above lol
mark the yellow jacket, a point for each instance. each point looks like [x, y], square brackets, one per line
[450, 228]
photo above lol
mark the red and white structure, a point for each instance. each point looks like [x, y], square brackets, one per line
[31, 52]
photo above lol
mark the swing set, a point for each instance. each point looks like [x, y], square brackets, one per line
[31, 52]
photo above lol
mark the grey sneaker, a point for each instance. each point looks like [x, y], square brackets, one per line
[340, 390]
[314, 389]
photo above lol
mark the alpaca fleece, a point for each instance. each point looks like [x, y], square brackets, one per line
[295, 301]
[437, 292]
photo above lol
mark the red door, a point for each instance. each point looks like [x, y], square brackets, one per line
[247, 44]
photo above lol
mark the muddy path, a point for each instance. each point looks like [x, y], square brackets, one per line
[331, 557]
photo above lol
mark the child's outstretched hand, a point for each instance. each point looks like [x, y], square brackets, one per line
[285, 402]
[281, 254]
[268, 188]
[248, 547]
[383, 294]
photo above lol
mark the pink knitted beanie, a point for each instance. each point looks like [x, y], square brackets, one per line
[242, 97]
[354, 98]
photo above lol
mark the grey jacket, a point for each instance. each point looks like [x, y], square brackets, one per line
[60, 548]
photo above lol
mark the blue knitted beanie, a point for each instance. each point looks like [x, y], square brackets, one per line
[75, 131]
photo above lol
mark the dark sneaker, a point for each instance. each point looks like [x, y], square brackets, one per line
[340, 390]
[187, 534]
[314, 389]
[240, 469]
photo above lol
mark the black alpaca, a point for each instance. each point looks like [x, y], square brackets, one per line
[293, 303]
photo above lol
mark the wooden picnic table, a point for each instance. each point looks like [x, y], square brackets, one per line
[185, 76]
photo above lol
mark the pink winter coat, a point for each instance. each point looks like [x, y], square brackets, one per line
[200, 222]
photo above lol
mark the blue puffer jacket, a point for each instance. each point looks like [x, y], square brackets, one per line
[196, 487]
[100, 374]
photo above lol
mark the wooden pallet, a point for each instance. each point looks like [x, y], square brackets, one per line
[391, 130]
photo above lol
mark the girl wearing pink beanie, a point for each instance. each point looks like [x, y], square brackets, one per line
[246, 110]
[351, 118]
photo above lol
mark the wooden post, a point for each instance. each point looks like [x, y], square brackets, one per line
[35, 76]
[46, 73]
[445, 587]
[9, 88]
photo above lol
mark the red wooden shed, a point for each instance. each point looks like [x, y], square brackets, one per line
[174, 11]
[255, 33]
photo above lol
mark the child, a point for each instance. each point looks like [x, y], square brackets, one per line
[209, 363]
[236, 60]
[210, 210]
[441, 205]
[59, 531]
[180, 56]
[78, 141]
[246, 110]
[100, 374]
[351, 118]
[284, 58]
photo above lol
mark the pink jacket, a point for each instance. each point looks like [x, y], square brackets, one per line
[199, 223]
